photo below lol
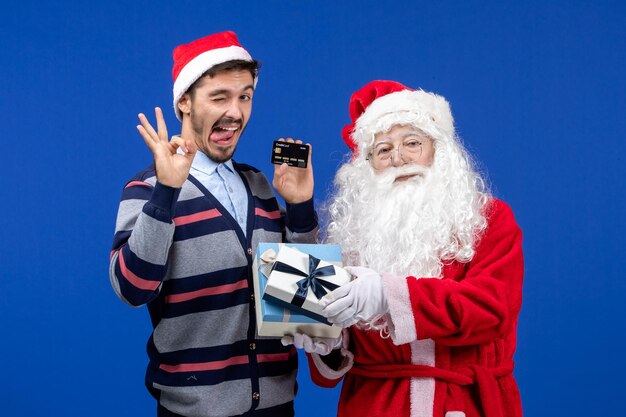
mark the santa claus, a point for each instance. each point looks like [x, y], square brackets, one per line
[431, 315]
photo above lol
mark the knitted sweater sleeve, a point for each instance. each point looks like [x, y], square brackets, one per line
[144, 232]
[475, 307]
[301, 222]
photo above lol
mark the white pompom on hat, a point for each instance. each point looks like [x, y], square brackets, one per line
[381, 104]
[194, 59]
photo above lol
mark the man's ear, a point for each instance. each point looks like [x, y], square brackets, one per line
[184, 103]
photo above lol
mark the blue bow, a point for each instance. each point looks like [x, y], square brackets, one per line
[310, 280]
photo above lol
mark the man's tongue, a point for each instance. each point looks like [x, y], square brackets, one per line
[221, 135]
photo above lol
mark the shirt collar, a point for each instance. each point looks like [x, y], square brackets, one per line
[204, 164]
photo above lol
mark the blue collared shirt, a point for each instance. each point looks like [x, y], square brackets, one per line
[225, 184]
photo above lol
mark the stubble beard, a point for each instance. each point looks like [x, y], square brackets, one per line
[200, 134]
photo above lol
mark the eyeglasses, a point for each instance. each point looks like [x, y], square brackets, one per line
[381, 155]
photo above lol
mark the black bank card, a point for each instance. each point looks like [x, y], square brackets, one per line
[293, 154]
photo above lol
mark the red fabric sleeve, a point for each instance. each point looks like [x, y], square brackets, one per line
[482, 303]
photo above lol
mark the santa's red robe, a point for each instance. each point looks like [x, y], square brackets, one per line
[452, 339]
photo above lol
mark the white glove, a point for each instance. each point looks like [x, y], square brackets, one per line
[319, 345]
[360, 300]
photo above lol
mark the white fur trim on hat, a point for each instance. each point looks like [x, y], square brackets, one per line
[428, 112]
[201, 64]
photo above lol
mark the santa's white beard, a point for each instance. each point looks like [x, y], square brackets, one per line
[390, 226]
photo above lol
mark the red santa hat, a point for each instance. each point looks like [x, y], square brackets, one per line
[194, 59]
[381, 104]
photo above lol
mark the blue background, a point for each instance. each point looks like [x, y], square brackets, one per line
[537, 89]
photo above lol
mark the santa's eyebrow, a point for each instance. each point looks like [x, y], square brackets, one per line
[382, 142]
[404, 136]
[414, 133]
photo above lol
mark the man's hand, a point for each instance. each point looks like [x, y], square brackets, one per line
[172, 168]
[319, 345]
[359, 300]
[295, 185]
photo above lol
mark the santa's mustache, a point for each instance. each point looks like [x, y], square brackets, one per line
[391, 174]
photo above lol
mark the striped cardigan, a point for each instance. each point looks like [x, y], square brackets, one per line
[181, 253]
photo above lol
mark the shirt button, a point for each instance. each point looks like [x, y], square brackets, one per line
[256, 396]
[251, 297]
[230, 189]
[252, 346]
[250, 251]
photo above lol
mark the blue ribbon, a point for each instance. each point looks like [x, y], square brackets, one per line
[311, 280]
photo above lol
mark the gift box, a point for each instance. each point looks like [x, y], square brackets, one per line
[288, 279]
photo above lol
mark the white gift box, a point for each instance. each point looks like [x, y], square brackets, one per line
[277, 314]
[294, 269]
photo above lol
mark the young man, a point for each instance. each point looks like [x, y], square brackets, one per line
[432, 313]
[185, 237]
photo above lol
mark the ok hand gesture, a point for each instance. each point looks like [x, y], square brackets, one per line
[172, 168]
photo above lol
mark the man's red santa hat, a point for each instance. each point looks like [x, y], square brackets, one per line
[192, 60]
[381, 104]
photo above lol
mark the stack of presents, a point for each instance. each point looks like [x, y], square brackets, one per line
[289, 281]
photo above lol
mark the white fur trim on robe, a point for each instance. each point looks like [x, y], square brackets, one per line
[401, 322]
[327, 372]
[422, 389]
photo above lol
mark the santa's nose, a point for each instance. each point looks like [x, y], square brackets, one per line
[396, 158]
